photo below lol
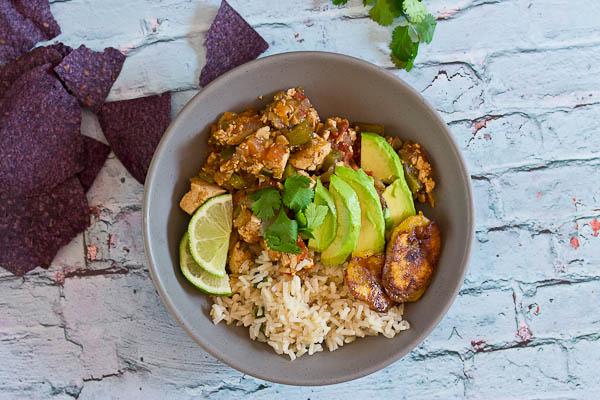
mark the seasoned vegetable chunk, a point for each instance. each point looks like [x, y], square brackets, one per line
[232, 128]
[312, 156]
[411, 257]
[200, 191]
[289, 108]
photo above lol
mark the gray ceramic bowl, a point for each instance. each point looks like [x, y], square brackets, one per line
[338, 86]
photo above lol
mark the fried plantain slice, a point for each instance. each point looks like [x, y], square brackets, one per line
[363, 279]
[411, 257]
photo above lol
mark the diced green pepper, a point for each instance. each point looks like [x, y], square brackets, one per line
[332, 158]
[412, 180]
[367, 127]
[227, 153]
[238, 182]
[299, 134]
[289, 170]
[206, 176]
[267, 172]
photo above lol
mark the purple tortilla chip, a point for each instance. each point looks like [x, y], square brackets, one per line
[26, 62]
[33, 229]
[89, 75]
[95, 154]
[23, 23]
[230, 42]
[62, 48]
[40, 144]
[38, 12]
[133, 129]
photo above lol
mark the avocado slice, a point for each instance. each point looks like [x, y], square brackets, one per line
[324, 234]
[372, 232]
[348, 222]
[399, 201]
[379, 158]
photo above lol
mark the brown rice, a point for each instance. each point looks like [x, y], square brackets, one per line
[298, 315]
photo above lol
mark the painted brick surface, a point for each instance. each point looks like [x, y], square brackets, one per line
[517, 82]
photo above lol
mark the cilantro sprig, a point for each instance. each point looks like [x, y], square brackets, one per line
[265, 203]
[296, 198]
[415, 26]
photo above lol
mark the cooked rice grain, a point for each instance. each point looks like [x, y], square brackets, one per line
[296, 316]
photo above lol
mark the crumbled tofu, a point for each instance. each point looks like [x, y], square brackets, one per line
[311, 157]
[290, 108]
[232, 128]
[240, 258]
[248, 226]
[200, 191]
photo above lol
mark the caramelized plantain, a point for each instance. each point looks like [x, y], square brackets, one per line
[411, 257]
[363, 279]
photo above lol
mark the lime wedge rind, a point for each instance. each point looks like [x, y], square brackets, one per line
[210, 253]
[197, 276]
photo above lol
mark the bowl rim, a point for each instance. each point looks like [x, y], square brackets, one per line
[169, 302]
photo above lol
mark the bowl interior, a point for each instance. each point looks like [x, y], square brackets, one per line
[337, 86]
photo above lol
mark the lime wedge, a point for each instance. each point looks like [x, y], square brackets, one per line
[209, 232]
[199, 277]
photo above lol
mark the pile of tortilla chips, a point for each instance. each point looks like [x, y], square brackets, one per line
[46, 164]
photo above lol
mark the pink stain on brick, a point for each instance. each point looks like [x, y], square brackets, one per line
[126, 49]
[539, 195]
[446, 14]
[95, 211]
[478, 344]
[111, 240]
[479, 126]
[59, 277]
[154, 24]
[92, 252]
[575, 242]
[524, 333]
[595, 224]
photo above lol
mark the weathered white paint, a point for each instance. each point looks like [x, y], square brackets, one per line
[517, 82]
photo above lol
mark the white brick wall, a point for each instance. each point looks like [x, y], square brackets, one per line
[517, 82]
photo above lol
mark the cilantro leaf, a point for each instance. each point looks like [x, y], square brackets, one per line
[426, 28]
[297, 193]
[384, 11]
[265, 203]
[415, 10]
[282, 234]
[315, 215]
[339, 2]
[404, 50]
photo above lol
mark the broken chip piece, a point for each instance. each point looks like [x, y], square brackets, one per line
[133, 129]
[23, 24]
[33, 229]
[26, 62]
[230, 42]
[89, 75]
[40, 144]
[94, 156]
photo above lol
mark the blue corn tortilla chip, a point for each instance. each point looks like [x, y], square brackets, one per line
[94, 156]
[26, 62]
[230, 42]
[89, 75]
[23, 23]
[38, 12]
[33, 229]
[62, 48]
[133, 129]
[40, 144]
